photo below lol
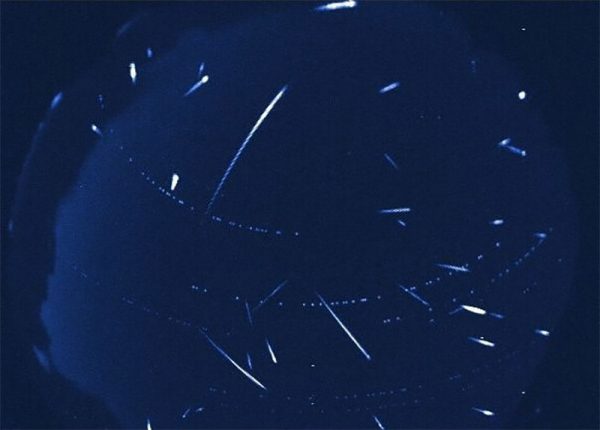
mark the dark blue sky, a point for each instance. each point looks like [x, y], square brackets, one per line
[558, 60]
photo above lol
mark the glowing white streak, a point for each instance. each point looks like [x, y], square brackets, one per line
[540, 235]
[185, 414]
[248, 313]
[242, 147]
[415, 296]
[505, 143]
[249, 360]
[389, 87]
[381, 427]
[452, 267]
[275, 291]
[455, 311]
[484, 412]
[483, 342]
[391, 161]
[402, 223]
[271, 353]
[542, 332]
[394, 211]
[348, 4]
[174, 181]
[96, 130]
[474, 309]
[132, 72]
[125, 27]
[200, 69]
[196, 85]
[56, 100]
[341, 324]
[237, 366]
[497, 222]
[148, 424]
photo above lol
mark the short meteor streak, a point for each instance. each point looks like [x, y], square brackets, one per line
[391, 161]
[482, 342]
[381, 427]
[197, 85]
[341, 324]
[506, 144]
[349, 4]
[174, 181]
[228, 358]
[271, 294]
[477, 311]
[389, 87]
[132, 73]
[56, 101]
[96, 130]
[474, 309]
[394, 211]
[415, 296]
[454, 268]
[271, 353]
[260, 120]
[248, 314]
[484, 412]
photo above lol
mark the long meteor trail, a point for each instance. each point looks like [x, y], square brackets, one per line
[260, 120]
[237, 366]
[341, 324]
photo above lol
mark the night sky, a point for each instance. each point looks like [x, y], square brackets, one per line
[260, 215]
